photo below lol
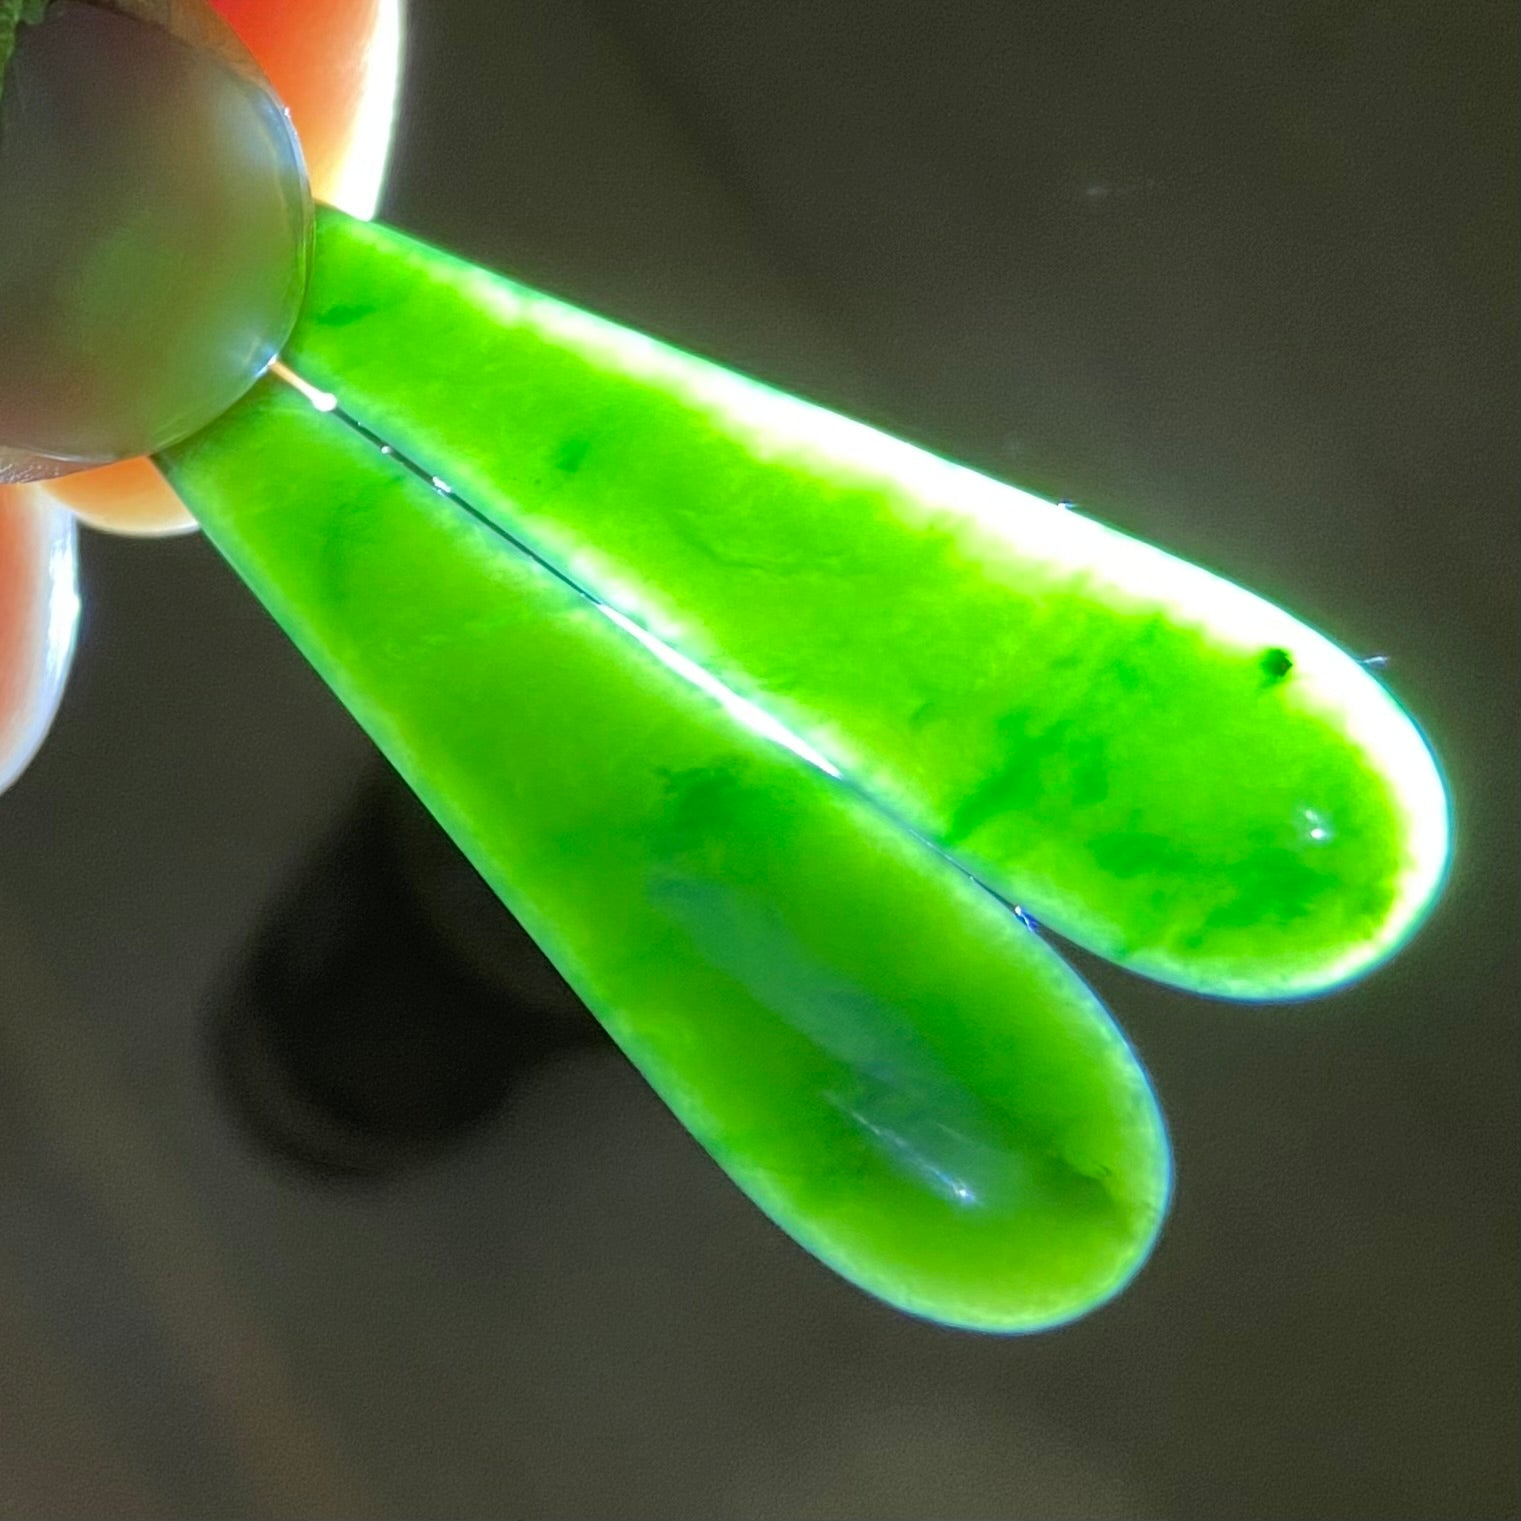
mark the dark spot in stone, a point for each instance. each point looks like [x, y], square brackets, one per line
[1276, 664]
[345, 313]
[570, 454]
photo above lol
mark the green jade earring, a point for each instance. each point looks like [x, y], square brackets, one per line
[762, 721]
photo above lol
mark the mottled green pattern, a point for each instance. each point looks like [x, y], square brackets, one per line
[1159, 765]
[897, 1071]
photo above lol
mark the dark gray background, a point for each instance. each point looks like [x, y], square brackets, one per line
[1239, 278]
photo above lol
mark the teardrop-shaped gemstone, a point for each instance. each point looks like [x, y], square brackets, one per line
[876, 1050]
[1162, 766]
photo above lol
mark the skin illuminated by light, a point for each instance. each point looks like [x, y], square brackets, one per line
[37, 628]
[344, 100]
[362, 172]
[314, 49]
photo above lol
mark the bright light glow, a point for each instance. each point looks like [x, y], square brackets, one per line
[746, 712]
[917, 1159]
[1318, 829]
[753, 718]
[1033, 546]
[64, 605]
[58, 626]
[323, 401]
[1033, 542]
[360, 181]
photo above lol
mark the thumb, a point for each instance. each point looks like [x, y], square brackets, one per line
[155, 217]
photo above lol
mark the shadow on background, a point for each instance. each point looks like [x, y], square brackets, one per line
[387, 1004]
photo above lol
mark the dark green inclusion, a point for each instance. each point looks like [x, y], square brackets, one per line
[883, 1057]
[1088, 737]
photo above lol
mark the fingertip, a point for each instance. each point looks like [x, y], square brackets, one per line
[336, 64]
[131, 498]
[39, 617]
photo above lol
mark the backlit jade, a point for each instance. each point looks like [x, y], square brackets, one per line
[1157, 763]
[877, 1051]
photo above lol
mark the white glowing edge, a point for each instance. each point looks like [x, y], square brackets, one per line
[740, 708]
[1005, 528]
[58, 615]
[321, 401]
[360, 181]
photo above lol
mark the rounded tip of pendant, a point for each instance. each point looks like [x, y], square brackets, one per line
[1415, 851]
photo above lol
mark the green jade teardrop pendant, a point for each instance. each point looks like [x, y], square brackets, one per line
[758, 719]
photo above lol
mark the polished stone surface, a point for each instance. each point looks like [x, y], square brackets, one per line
[1179, 774]
[894, 1068]
[1163, 767]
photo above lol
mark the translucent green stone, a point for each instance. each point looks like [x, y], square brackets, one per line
[879, 1053]
[1160, 765]
[739, 704]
